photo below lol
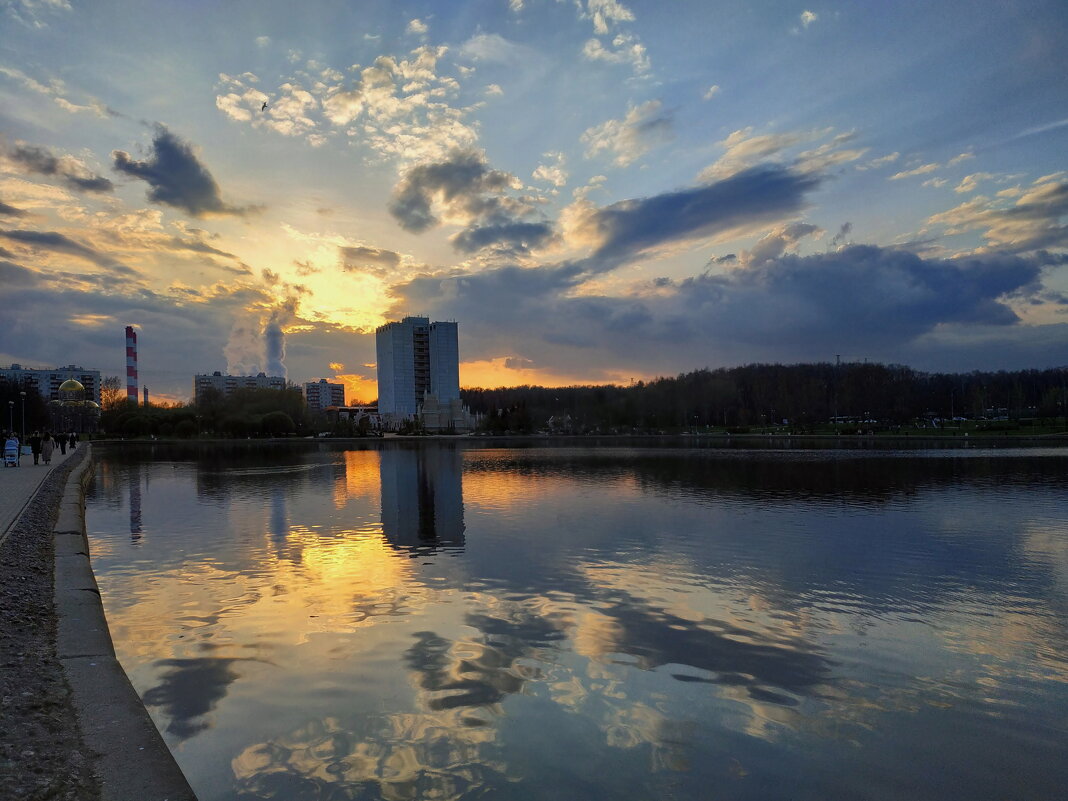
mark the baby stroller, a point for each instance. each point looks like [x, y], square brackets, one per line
[11, 453]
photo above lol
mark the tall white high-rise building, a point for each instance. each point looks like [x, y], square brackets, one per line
[416, 357]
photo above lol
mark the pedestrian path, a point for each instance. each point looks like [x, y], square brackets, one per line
[18, 485]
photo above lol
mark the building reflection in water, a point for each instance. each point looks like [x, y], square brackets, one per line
[422, 497]
[279, 524]
[135, 501]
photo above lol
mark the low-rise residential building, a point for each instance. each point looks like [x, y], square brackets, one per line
[227, 384]
[47, 381]
[320, 394]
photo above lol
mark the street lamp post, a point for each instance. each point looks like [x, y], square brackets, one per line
[11, 416]
[23, 394]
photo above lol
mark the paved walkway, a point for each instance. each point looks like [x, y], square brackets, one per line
[18, 485]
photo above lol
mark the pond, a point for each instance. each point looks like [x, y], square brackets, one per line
[454, 621]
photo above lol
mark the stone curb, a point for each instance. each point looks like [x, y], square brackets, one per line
[130, 758]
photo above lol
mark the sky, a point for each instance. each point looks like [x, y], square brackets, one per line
[596, 191]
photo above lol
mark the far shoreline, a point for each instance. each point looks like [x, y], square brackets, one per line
[695, 440]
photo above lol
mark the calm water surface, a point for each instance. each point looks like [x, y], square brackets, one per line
[446, 622]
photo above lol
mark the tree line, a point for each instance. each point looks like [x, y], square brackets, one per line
[806, 396]
[798, 397]
[243, 413]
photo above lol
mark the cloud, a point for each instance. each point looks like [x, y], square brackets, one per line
[643, 128]
[971, 182]
[11, 211]
[57, 91]
[885, 302]
[398, 108]
[492, 48]
[33, 13]
[58, 243]
[263, 41]
[14, 275]
[463, 184]
[840, 238]
[623, 49]
[808, 17]
[553, 172]
[923, 169]
[743, 149]
[71, 171]
[711, 92]
[465, 191]
[607, 13]
[754, 197]
[359, 258]
[177, 177]
[199, 246]
[513, 238]
[889, 158]
[777, 242]
[417, 26]
[1034, 221]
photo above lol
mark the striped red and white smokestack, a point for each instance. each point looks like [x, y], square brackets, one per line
[131, 364]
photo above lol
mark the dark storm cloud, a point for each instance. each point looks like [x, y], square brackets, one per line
[881, 302]
[72, 173]
[517, 238]
[867, 294]
[11, 211]
[372, 260]
[764, 194]
[51, 240]
[176, 176]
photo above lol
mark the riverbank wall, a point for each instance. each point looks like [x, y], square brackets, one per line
[129, 757]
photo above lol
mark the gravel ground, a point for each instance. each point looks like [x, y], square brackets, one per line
[42, 754]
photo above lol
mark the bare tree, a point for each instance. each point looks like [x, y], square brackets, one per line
[111, 393]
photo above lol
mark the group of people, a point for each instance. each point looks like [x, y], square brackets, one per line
[42, 446]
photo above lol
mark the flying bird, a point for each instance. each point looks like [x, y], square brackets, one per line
[264, 106]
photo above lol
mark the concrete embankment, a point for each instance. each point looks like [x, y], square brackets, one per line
[130, 758]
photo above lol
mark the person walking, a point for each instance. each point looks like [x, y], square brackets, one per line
[35, 447]
[61, 441]
[72, 440]
[47, 446]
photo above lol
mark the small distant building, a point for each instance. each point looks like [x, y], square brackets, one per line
[226, 385]
[48, 381]
[320, 394]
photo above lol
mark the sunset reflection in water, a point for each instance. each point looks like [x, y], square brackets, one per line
[447, 622]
